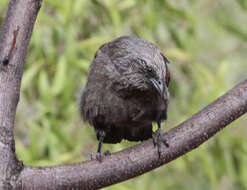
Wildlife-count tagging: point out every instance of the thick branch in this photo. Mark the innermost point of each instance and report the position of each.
(15, 36)
(141, 158)
(119, 166)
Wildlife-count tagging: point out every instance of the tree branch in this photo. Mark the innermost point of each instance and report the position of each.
(15, 36)
(141, 158)
(119, 166)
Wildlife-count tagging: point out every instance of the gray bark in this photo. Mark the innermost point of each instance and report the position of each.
(15, 35)
(120, 166)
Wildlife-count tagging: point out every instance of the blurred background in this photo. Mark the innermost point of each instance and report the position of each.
(206, 43)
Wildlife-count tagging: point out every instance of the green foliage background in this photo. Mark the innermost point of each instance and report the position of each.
(206, 42)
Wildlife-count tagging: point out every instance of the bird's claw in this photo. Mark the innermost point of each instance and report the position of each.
(91, 156)
(165, 142)
(107, 153)
(98, 156)
(157, 140)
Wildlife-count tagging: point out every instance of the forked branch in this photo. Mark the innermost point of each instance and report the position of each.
(115, 168)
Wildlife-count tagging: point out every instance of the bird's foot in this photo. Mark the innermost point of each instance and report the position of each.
(98, 156)
(157, 140)
(107, 153)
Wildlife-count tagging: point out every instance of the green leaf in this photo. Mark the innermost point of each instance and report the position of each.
(59, 80)
(29, 75)
(44, 86)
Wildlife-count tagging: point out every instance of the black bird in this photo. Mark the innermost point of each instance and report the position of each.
(126, 90)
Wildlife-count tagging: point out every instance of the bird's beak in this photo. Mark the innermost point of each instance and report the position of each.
(158, 85)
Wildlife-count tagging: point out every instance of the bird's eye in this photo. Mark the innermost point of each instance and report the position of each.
(150, 70)
(146, 67)
(143, 62)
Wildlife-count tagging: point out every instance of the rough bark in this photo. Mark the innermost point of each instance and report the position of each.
(115, 168)
(141, 158)
(15, 35)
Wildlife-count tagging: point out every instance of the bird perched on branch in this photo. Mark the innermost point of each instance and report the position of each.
(126, 90)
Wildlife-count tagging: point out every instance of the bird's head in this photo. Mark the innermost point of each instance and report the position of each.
(149, 66)
(141, 66)
(155, 73)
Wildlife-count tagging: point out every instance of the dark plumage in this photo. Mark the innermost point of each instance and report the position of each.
(126, 90)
